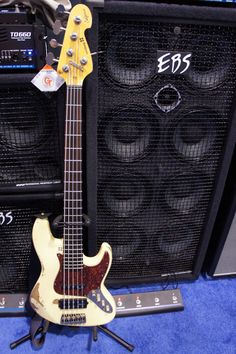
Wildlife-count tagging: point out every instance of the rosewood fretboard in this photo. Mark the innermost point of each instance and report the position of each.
(73, 242)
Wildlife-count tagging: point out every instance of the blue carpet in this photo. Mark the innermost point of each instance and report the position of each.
(206, 326)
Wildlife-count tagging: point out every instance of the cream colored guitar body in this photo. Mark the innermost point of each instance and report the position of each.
(100, 308)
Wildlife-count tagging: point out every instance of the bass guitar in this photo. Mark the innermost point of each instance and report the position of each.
(70, 289)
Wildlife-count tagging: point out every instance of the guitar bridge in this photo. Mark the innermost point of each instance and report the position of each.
(73, 319)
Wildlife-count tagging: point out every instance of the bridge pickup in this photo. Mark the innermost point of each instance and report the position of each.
(72, 287)
(78, 318)
(68, 304)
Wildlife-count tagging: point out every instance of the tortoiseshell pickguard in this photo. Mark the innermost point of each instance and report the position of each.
(90, 277)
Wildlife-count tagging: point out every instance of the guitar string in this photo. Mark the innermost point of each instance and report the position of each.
(73, 197)
(81, 186)
(80, 243)
(71, 133)
(70, 200)
(78, 157)
(65, 197)
(69, 193)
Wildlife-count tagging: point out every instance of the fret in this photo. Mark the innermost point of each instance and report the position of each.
(75, 260)
(73, 171)
(78, 247)
(74, 265)
(73, 208)
(77, 235)
(74, 182)
(74, 268)
(74, 200)
(73, 135)
(73, 148)
(71, 160)
(73, 191)
(74, 120)
(74, 105)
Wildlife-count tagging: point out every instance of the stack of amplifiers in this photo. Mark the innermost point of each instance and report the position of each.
(161, 116)
(30, 157)
(31, 152)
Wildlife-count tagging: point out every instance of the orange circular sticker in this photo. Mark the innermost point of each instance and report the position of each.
(48, 81)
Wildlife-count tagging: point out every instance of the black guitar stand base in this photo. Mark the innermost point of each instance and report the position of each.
(114, 336)
(39, 328)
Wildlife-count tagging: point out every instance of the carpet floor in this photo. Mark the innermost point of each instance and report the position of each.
(206, 326)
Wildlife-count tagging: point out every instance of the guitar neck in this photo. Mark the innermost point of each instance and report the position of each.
(73, 242)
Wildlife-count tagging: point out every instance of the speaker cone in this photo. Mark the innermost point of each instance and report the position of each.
(47, 168)
(209, 69)
(130, 132)
(126, 194)
(125, 248)
(183, 240)
(24, 122)
(130, 54)
(193, 134)
(185, 191)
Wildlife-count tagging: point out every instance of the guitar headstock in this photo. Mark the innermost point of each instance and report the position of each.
(75, 61)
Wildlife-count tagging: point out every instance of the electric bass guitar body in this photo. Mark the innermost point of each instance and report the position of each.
(58, 296)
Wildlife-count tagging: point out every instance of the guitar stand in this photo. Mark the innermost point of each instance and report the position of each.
(39, 328)
(114, 336)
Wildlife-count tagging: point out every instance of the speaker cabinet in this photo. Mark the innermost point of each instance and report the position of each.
(221, 257)
(159, 141)
(30, 143)
(17, 215)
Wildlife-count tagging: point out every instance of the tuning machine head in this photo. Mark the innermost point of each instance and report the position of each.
(54, 43)
(61, 12)
(50, 59)
(58, 27)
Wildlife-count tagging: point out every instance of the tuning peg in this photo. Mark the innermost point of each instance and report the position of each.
(57, 27)
(54, 43)
(61, 12)
(95, 53)
(50, 59)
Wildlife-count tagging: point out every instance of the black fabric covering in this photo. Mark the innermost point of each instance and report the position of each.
(188, 12)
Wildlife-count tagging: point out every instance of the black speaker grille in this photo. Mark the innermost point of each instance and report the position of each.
(3, 34)
(29, 136)
(160, 140)
(16, 222)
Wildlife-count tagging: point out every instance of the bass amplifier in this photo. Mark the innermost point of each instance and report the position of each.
(22, 44)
